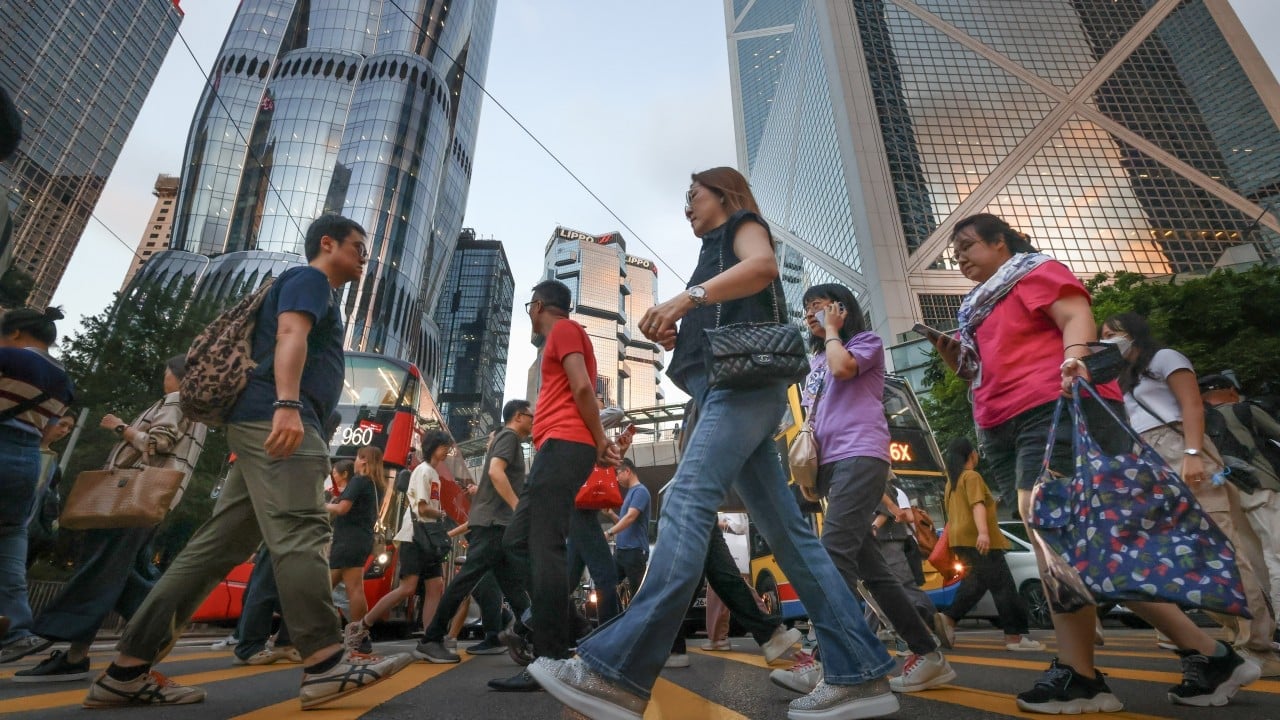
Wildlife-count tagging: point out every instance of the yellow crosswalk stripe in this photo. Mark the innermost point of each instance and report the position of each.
(103, 660)
(1166, 678)
(357, 704)
(67, 698)
(670, 701)
(1001, 704)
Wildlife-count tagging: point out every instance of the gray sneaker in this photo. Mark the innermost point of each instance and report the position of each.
(22, 647)
(846, 702)
(353, 673)
(575, 685)
(435, 652)
(150, 688)
(354, 635)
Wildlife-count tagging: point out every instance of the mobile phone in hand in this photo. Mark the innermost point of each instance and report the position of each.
(933, 334)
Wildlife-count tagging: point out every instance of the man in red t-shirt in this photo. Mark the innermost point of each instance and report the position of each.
(569, 441)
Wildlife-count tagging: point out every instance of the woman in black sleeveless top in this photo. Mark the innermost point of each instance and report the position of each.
(736, 281)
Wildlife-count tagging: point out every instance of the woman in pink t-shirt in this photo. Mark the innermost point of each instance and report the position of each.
(1023, 332)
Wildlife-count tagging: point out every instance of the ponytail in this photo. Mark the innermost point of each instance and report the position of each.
(39, 325)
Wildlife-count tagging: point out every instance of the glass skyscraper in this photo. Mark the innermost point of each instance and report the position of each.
(78, 72)
(611, 292)
(1136, 135)
(358, 107)
(474, 315)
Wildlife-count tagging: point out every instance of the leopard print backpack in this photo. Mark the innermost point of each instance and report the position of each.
(220, 361)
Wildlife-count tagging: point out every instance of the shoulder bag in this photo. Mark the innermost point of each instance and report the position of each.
(802, 456)
(746, 356)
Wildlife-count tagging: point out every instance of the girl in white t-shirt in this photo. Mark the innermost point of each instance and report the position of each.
(1162, 398)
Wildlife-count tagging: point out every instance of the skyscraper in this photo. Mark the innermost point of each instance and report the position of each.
(78, 71)
(363, 108)
(155, 238)
(1136, 135)
(474, 315)
(611, 291)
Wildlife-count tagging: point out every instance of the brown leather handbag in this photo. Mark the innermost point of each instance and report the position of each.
(120, 498)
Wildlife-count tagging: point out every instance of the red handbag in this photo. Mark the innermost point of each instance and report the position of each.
(600, 491)
(943, 560)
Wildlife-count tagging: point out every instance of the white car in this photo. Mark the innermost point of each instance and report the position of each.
(1026, 577)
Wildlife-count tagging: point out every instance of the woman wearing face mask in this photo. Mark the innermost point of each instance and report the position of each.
(1162, 397)
(1023, 330)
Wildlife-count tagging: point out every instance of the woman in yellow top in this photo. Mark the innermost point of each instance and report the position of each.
(974, 536)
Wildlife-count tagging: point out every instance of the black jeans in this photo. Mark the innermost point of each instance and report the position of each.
(631, 565)
(261, 603)
(589, 549)
(989, 572)
(724, 578)
(540, 528)
(854, 488)
(113, 572)
(488, 597)
(485, 555)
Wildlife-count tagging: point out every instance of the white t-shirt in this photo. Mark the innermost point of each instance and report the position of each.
(424, 484)
(1156, 393)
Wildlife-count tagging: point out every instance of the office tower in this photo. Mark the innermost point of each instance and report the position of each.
(1134, 135)
(363, 108)
(611, 292)
(78, 71)
(474, 315)
(155, 238)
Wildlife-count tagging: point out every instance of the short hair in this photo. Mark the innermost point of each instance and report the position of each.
(332, 224)
(38, 325)
(345, 467)
(513, 408)
(629, 464)
(854, 323)
(178, 366)
(432, 441)
(553, 293)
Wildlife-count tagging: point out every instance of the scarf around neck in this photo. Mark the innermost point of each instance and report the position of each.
(978, 304)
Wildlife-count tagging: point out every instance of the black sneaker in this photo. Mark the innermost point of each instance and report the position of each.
(487, 646)
(1212, 681)
(519, 645)
(55, 668)
(1061, 690)
(520, 682)
(435, 652)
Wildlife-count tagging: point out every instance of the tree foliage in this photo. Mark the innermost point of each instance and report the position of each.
(116, 359)
(1224, 320)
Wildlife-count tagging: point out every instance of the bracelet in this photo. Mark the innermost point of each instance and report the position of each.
(1083, 345)
(835, 340)
(291, 404)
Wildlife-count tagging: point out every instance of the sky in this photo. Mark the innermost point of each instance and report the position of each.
(632, 97)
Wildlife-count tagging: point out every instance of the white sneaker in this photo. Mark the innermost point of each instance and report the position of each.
(922, 672)
(802, 677)
(226, 642)
(676, 660)
(354, 635)
(353, 673)
(1025, 644)
(717, 646)
(781, 643)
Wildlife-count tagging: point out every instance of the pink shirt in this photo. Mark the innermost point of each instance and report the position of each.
(1021, 347)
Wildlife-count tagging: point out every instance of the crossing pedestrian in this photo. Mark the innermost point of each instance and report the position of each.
(274, 493)
(735, 281)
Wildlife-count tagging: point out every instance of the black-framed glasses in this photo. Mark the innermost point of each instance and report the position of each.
(362, 250)
(529, 305)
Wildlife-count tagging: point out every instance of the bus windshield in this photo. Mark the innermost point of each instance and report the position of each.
(373, 381)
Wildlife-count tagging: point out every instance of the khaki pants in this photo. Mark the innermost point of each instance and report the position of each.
(278, 501)
(1263, 510)
(1223, 505)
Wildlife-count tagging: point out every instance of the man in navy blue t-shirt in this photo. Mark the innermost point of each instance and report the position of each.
(273, 494)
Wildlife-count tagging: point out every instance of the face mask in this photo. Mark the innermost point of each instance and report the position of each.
(1122, 343)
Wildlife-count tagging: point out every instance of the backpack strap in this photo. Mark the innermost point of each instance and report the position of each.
(25, 405)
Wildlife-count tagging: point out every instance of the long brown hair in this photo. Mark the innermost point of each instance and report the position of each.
(372, 458)
(730, 186)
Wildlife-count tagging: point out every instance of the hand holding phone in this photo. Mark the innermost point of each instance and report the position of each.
(933, 334)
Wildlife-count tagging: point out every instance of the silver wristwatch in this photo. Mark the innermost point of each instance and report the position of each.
(698, 295)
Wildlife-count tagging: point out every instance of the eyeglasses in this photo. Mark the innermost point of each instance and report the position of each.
(525, 414)
(961, 249)
(362, 250)
(529, 305)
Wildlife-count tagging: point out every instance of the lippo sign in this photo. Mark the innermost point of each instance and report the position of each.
(642, 263)
(567, 234)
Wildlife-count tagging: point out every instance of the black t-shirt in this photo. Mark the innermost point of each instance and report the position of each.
(488, 507)
(690, 354)
(359, 520)
(306, 290)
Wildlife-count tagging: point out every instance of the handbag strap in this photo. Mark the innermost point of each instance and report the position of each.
(773, 294)
(1175, 427)
(25, 405)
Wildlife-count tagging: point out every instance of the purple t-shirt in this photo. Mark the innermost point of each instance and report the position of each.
(850, 420)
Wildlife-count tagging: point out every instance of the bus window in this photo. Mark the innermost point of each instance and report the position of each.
(372, 381)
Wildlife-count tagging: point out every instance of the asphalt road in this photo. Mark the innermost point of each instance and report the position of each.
(718, 686)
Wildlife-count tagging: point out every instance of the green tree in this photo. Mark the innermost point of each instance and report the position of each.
(947, 403)
(116, 359)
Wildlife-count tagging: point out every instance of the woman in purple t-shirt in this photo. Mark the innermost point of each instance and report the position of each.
(845, 391)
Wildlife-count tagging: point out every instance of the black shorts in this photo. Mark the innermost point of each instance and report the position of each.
(411, 563)
(349, 553)
(1014, 450)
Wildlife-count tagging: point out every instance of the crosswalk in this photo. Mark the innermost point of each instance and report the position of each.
(717, 686)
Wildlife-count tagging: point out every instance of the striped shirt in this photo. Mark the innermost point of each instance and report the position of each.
(25, 374)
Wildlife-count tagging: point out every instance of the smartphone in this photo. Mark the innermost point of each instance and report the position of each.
(821, 315)
(933, 334)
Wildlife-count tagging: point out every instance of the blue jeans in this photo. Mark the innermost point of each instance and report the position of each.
(732, 445)
(20, 455)
(589, 548)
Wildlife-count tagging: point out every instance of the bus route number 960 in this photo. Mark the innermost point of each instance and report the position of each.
(348, 435)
